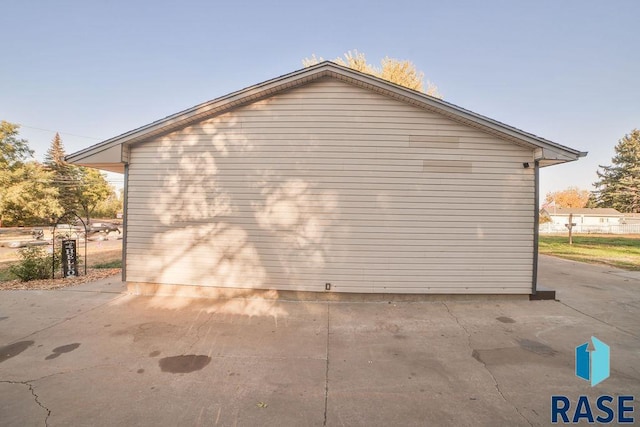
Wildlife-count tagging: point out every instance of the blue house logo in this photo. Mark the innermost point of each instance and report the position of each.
(593, 365)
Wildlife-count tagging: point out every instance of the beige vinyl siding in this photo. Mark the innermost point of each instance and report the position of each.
(332, 183)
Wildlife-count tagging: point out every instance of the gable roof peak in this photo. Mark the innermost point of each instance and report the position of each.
(546, 151)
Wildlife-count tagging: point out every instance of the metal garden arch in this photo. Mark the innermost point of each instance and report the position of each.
(67, 215)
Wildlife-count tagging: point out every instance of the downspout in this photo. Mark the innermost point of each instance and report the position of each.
(124, 222)
(536, 226)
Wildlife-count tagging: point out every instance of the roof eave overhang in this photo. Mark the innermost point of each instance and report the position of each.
(112, 158)
(107, 167)
(549, 156)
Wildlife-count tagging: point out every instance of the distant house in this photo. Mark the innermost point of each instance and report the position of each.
(583, 216)
(329, 180)
(631, 218)
(589, 220)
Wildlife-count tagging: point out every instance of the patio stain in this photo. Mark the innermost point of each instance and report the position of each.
(528, 351)
(11, 350)
(61, 350)
(537, 347)
(183, 364)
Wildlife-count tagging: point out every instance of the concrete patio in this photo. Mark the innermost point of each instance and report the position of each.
(94, 355)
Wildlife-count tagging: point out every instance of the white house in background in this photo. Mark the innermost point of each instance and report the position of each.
(329, 180)
(631, 218)
(590, 220)
(583, 216)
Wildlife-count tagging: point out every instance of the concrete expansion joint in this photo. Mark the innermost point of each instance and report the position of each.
(495, 381)
(326, 374)
(66, 319)
(599, 320)
(35, 396)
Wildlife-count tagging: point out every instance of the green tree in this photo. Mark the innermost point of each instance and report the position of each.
(109, 208)
(401, 72)
(592, 202)
(13, 150)
(25, 193)
(80, 189)
(27, 196)
(65, 177)
(93, 188)
(619, 184)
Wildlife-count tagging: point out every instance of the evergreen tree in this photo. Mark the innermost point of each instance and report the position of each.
(65, 177)
(55, 153)
(619, 183)
(592, 202)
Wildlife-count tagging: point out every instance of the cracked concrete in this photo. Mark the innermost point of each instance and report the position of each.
(474, 354)
(9, 416)
(488, 362)
(37, 399)
(497, 385)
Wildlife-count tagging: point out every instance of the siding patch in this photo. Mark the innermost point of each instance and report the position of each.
(434, 141)
(446, 166)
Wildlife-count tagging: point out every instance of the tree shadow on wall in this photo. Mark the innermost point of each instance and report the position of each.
(223, 217)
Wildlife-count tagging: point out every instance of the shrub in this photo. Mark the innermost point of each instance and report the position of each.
(35, 263)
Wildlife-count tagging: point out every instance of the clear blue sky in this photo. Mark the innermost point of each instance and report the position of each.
(568, 71)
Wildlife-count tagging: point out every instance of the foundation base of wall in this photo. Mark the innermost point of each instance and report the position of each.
(543, 294)
(190, 291)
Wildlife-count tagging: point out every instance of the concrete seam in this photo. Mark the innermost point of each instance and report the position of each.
(599, 320)
(326, 373)
(495, 381)
(69, 318)
(69, 371)
(35, 396)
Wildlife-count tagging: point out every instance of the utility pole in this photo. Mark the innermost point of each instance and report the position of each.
(570, 228)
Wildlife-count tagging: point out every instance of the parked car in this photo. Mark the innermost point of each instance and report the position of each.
(103, 227)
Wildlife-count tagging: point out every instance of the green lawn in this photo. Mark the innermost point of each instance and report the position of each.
(621, 252)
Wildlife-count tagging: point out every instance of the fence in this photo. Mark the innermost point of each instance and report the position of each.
(551, 228)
